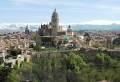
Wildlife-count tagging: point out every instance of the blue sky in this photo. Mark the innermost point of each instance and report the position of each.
(70, 11)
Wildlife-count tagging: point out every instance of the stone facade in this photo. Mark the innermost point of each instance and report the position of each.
(45, 30)
(69, 31)
(52, 28)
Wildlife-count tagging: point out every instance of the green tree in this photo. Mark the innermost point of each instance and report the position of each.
(14, 52)
(70, 67)
(13, 76)
(37, 48)
(74, 62)
(96, 45)
(117, 40)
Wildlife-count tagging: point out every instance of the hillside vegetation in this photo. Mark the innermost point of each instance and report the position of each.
(69, 67)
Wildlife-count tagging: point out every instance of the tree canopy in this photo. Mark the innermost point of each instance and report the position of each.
(70, 67)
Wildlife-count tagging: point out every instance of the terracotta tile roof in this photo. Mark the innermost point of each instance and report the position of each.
(23, 41)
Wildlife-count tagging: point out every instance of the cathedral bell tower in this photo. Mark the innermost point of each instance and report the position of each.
(55, 23)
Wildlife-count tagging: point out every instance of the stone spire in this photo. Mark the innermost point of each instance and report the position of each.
(55, 14)
(26, 30)
(55, 22)
(69, 26)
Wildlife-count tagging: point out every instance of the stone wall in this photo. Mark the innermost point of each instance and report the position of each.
(110, 52)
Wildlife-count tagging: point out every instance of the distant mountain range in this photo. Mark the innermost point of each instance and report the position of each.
(21, 27)
(5, 28)
(96, 27)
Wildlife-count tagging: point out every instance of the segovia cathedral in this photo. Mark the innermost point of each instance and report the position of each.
(52, 32)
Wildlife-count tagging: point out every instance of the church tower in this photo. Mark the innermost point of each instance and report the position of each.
(27, 32)
(55, 23)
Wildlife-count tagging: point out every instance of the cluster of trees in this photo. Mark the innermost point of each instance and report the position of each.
(114, 44)
(37, 48)
(13, 53)
(69, 67)
(4, 73)
(117, 40)
(96, 45)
